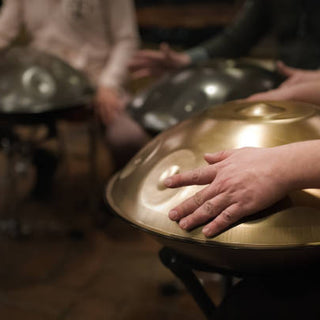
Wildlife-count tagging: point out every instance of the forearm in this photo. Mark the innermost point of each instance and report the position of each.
(10, 22)
(298, 164)
(238, 38)
(124, 42)
(115, 71)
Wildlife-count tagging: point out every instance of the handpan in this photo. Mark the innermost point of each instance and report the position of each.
(34, 83)
(283, 237)
(179, 95)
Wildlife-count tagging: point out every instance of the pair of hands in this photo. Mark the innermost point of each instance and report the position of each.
(108, 104)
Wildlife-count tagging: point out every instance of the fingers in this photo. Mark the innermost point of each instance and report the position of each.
(149, 55)
(285, 70)
(276, 94)
(226, 218)
(200, 176)
(191, 204)
(208, 211)
(290, 82)
(212, 158)
(148, 72)
(142, 73)
(203, 207)
(259, 96)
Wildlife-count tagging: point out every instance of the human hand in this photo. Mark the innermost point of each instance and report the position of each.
(296, 76)
(240, 182)
(108, 103)
(157, 62)
(306, 92)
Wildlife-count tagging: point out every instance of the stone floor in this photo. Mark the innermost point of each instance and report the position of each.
(111, 273)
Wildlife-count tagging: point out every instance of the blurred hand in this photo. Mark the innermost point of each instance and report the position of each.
(240, 182)
(306, 92)
(108, 104)
(296, 76)
(157, 62)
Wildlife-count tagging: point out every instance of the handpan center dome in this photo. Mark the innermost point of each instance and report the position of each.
(261, 110)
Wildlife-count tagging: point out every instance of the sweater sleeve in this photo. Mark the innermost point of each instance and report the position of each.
(10, 21)
(124, 42)
(236, 40)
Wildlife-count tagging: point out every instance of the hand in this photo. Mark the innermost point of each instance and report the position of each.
(240, 182)
(306, 92)
(296, 76)
(108, 104)
(157, 62)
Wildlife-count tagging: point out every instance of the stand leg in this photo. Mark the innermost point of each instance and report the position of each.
(172, 261)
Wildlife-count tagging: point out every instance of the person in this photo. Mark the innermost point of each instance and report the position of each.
(90, 36)
(295, 25)
(87, 34)
(240, 182)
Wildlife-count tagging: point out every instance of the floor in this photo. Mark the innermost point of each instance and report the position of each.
(65, 267)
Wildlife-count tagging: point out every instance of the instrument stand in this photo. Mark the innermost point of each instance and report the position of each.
(15, 148)
(181, 268)
(290, 294)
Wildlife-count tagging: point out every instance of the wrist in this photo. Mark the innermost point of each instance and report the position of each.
(300, 165)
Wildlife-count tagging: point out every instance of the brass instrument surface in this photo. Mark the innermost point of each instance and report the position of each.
(138, 195)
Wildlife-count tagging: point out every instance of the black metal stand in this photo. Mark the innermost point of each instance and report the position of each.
(13, 147)
(184, 272)
(278, 295)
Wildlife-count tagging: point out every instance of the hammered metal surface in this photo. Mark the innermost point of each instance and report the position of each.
(33, 82)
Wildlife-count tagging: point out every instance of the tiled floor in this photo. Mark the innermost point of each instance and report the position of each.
(111, 274)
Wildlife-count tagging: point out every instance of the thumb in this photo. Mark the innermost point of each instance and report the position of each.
(286, 70)
(212, 158)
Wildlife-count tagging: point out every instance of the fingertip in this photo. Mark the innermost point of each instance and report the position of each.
(207, 231)
(183, 224)
(168, 182)
(207, 156)
(173, 215)
(212, 158)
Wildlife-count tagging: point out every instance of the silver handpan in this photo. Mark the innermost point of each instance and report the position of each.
(33, 82)
(181, 94)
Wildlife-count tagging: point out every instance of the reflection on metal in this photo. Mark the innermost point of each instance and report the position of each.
(283, 236)
(35, 82)
(39, 82)
(182, 94)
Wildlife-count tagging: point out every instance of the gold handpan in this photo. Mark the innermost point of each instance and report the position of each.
(285, 236)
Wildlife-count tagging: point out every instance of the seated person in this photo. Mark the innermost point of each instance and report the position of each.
(96, 37)
(294, 23)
